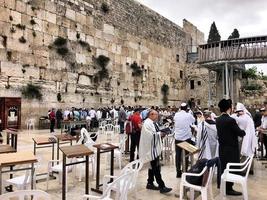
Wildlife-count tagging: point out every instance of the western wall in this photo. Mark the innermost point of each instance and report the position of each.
(57, 45)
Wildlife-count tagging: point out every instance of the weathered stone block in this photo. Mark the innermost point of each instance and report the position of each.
(10, 4)
(84, 80)
(51, 17)
(70, 14)
(80, 18)
(11, 69)
(16, 17)
(109, 29)
(80, 58)
(20, 6)
(50, 6)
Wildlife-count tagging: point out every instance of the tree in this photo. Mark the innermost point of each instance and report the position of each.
(235, 34)
(214, 35)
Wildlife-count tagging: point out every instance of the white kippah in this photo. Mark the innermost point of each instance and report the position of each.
(183, 104)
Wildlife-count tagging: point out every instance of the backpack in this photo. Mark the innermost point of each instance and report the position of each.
(196, 169)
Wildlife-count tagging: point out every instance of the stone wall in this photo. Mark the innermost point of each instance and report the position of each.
(129, 32)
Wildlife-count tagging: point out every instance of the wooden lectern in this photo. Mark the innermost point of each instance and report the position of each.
(188, 150)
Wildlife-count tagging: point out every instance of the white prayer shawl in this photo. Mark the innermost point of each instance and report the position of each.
(150, 146)
(245, 122)
(209, 143)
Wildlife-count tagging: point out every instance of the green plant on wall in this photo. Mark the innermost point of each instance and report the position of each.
(137, 70)
(102, 62)
(31, 91)
(61, 46)
(105, 7)
(165, 92)
(59, 98)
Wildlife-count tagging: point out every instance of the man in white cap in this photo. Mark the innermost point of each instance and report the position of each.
(182, 132)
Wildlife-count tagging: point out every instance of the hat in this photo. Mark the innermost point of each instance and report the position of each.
(224, 104)
(262, 109)
(240, 107)
(183, 105)
(136, 110)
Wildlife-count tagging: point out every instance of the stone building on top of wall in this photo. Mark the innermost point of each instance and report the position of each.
(86, 53)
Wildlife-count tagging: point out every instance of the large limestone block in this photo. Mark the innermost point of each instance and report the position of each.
(52, 29)
(80, 18)
(16, 17)
(11, 69)
(14, 44)
(72, 34)
(51, 17)
(50, 6)
(4, 14)
(80, 58)
(10, 4)
(109, 29)
(90, 40)
(20, 6)
(84, 80)
(70, 14)
(72, 77)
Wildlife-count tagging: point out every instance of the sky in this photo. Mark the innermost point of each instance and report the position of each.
(248, 16)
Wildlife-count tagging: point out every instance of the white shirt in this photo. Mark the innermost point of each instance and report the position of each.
(92, 114)
(182, 123)
(264, 122)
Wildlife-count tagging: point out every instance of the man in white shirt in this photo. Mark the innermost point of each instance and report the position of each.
(182, 132)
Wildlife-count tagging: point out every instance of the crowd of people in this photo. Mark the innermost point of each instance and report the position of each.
(231, 135)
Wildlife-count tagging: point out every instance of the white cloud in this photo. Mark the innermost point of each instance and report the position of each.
(248, 16)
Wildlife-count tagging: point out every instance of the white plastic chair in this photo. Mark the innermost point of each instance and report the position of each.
(168, 147)
(202, 189)
(109, 130)
(21, 182)
(228, 175)
(30, 123)
(88, 142)
(122, 182)
(135, 167)
(22, 194)
(58, 169)
(101, 127)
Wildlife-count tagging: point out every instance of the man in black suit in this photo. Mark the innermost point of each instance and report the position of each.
(228, 132)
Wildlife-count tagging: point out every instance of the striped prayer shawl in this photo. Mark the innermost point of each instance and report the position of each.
(202, 142)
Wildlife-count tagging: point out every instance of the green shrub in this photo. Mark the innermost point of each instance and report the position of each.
(60, 41)
(32, 92)
(62, 51)
(20, 26)
(252, 87)
(137, 71)
(105, 7)
(22, 39)
(59, 97)
(165, 92)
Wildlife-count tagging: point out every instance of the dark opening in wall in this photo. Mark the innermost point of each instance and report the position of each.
(181, 74)
(199, 83)
(177, 57)
(192, 84)
(198, 101)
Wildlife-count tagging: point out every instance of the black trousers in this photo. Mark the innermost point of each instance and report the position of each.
(52, 125)
(228, 154)
(154, 171)
(178, 155)
(135, 138)
(58, 123)
(265, 143)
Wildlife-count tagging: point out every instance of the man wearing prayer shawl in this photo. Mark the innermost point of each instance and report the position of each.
(149, 151)
(207, 138)
(245, 122)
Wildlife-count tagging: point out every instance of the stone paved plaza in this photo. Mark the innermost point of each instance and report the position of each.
(256, 183)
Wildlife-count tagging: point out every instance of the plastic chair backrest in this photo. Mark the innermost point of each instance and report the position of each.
(21, 194)
(85, 138)
(247, 164)
(134, 166)
(123, 183)
(109, 127)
